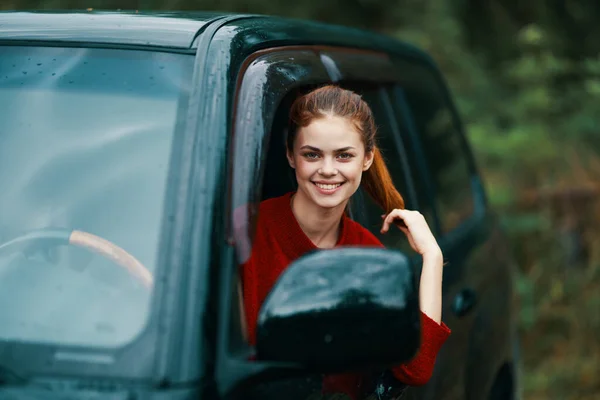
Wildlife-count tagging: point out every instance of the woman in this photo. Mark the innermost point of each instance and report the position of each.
(331, 146)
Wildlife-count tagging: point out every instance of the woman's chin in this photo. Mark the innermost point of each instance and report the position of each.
(329, 201)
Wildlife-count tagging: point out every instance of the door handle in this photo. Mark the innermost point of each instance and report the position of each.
(464, 302)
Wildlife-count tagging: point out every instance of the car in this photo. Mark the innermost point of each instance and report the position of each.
(134, 150)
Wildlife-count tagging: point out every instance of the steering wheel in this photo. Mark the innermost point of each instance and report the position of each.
(96, 244)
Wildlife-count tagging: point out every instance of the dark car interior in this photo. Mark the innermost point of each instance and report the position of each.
(279, 177)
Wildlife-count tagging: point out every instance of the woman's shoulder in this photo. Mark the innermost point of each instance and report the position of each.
(356, 234)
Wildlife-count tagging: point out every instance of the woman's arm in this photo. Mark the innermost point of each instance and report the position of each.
(414, 226)
(434, 332)
(430, 287)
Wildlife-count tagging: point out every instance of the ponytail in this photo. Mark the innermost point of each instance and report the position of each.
(379, 185)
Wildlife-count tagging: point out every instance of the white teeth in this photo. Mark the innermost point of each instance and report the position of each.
(328, 187)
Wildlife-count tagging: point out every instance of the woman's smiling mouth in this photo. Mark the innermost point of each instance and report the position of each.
(327, 188)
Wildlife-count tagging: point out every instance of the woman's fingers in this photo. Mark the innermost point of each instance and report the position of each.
(414, 226)
(387, 220)
(386, 226)
(401, 217)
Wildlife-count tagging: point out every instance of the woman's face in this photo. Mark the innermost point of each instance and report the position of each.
(329, 159)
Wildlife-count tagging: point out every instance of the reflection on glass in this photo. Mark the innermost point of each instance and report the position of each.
(85, 139)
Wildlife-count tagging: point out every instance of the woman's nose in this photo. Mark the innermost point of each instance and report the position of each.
(328, 168)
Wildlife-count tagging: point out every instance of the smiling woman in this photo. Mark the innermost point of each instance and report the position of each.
(85, 139)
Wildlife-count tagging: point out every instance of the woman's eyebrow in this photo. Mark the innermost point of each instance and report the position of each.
(345, 149)
(310, 148)
(317, 149)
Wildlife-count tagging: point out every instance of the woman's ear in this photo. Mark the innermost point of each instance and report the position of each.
(368, 161)
(290, 158)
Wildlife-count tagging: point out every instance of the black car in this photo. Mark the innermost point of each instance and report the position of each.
(128, 140)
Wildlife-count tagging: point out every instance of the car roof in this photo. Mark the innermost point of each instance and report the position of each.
(180, 30)
(174, 30)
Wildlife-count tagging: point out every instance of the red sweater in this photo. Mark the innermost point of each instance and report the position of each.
(279, 240)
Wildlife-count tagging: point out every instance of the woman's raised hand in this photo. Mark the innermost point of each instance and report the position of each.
(414, 226)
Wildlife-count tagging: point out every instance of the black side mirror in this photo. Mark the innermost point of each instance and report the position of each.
(340, 309)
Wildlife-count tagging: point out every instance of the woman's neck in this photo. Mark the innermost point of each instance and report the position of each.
(320, 225)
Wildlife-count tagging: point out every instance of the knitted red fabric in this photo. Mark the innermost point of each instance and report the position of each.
(279, 240)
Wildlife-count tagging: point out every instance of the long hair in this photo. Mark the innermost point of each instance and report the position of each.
(333, 100)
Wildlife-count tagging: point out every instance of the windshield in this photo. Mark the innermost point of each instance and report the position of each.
(85, 140)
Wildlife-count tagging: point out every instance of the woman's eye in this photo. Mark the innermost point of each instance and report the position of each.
(311, 155)
(345, 156)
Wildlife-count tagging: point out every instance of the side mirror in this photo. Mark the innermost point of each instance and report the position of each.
(340, 309)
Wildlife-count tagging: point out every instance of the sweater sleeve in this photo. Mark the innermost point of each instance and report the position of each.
(418, 371)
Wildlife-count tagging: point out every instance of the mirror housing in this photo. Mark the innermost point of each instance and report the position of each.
(343, 308)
